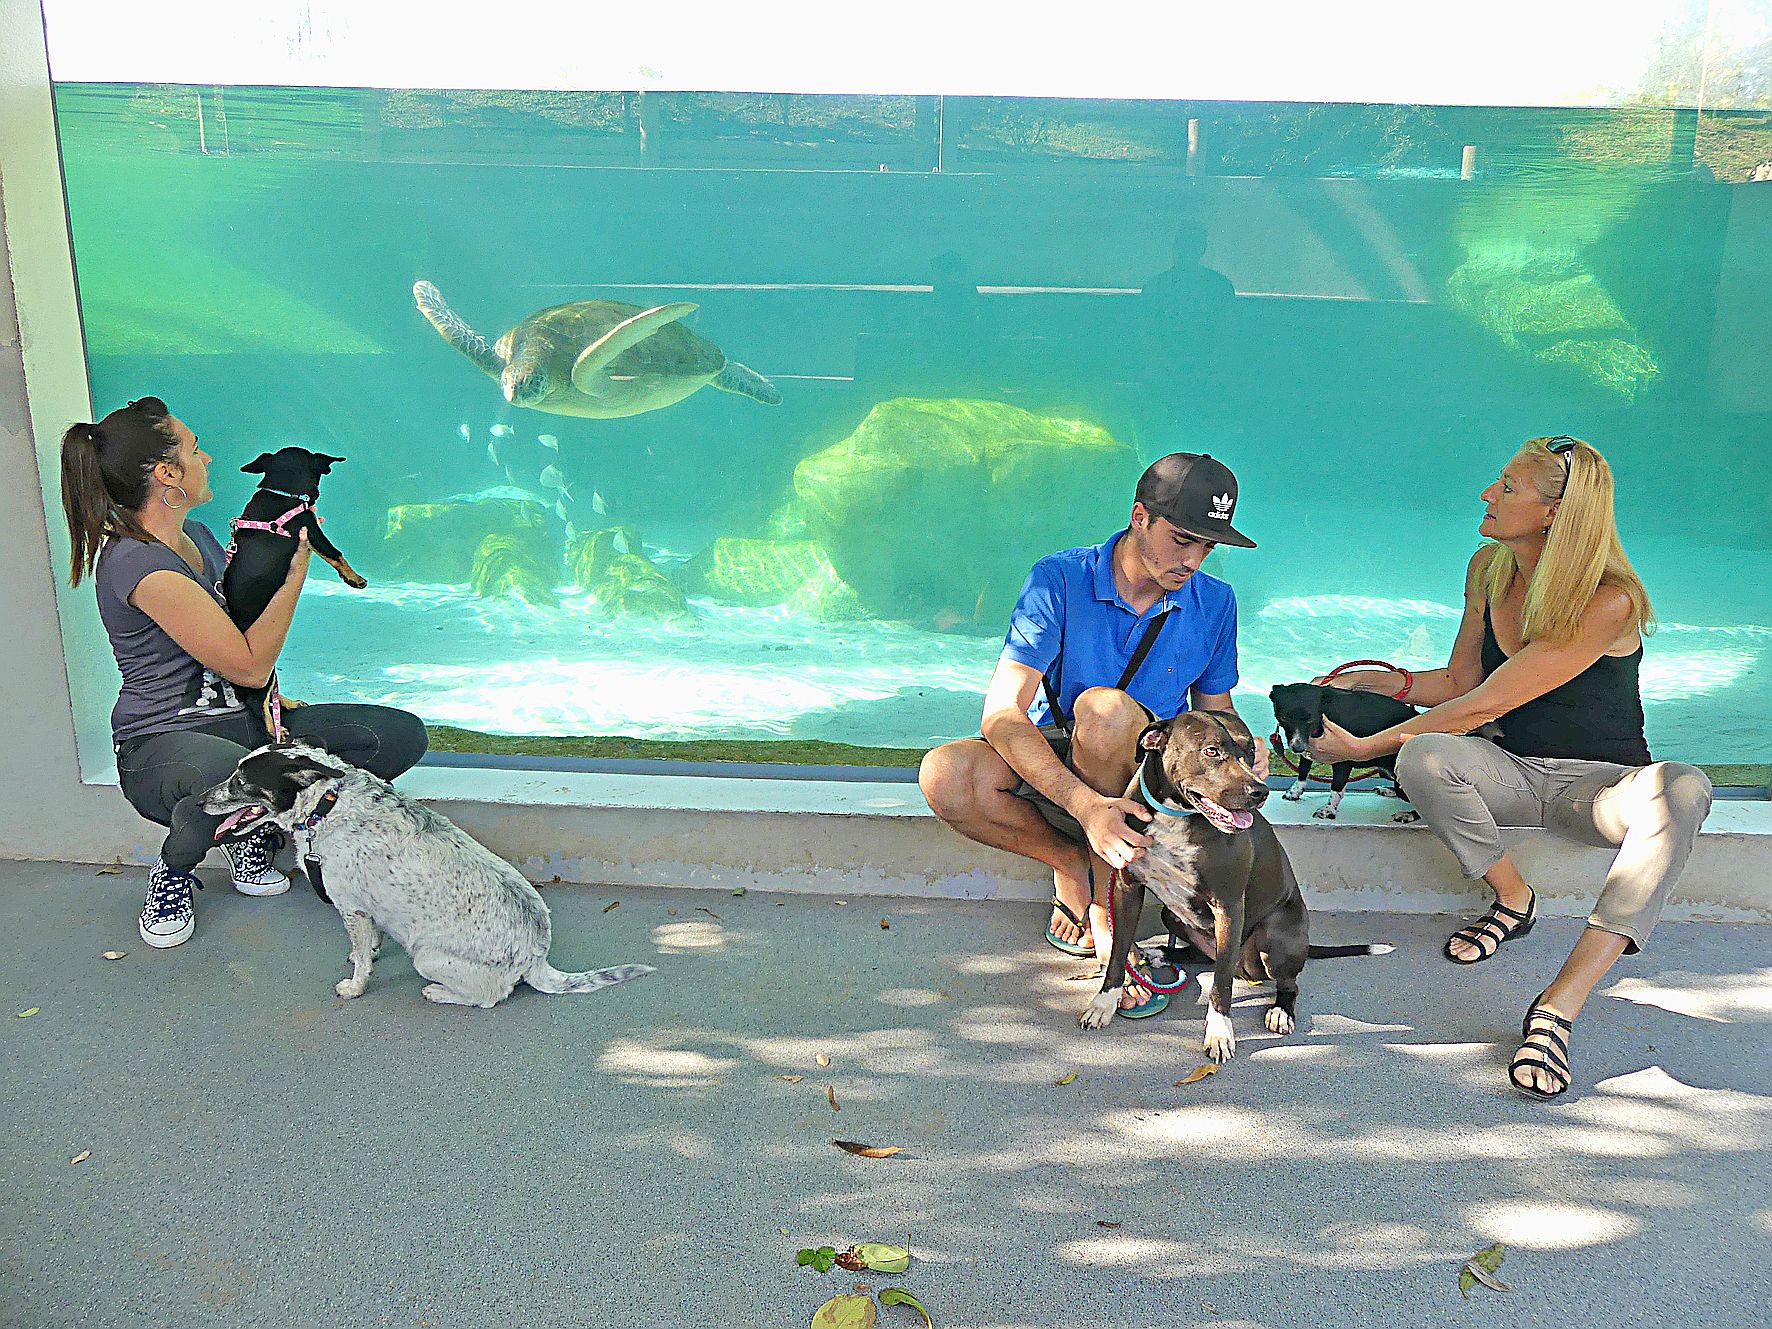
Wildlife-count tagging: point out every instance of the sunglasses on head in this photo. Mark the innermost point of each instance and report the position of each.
(1562, 445)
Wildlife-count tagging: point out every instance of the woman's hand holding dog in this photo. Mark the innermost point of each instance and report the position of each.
(298, 563)
(1336, 744)
(1106, 822)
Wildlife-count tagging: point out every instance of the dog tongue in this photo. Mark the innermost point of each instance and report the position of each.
(1242, 819)
(234, 819)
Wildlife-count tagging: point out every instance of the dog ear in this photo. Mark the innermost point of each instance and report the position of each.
(304, 771)
(1154, 736)
(259, 464)
(326, 463)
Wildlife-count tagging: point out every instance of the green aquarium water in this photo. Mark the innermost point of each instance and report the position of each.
(953, 330)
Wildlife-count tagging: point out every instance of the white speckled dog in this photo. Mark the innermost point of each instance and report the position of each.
(471, 923)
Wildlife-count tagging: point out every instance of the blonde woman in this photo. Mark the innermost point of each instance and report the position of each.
(1552, 637)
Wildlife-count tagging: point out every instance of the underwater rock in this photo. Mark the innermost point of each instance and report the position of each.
(787, 522)
(439, 541)
(934, 510)
(591, 553)
(829, 599)
(506, 565)
(632, 586)
(755, 572)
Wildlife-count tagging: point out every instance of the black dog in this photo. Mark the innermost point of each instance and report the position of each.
(1220, 871)
(1299, 709)
(264, 543)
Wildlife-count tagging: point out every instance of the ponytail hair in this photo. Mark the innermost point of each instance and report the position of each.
(1582, 551)
(105, 470)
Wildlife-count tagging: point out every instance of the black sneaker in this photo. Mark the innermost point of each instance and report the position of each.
(254, 873)
(169, 914)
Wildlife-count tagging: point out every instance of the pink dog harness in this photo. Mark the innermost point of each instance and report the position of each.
(277, 527)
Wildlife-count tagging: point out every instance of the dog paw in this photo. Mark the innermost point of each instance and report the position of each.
(1324, 814)
(1279, 1021)
(1407, 817)
(1293, 795)
(356, 583)
(1101, 1008)
(1221, 1041)
(348, 988)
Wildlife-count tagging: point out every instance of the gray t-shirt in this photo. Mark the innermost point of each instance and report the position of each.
(163, 687)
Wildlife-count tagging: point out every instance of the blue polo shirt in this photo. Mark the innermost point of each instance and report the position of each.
(1072, 625)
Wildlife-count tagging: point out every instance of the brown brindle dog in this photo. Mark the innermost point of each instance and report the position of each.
(1217, 865)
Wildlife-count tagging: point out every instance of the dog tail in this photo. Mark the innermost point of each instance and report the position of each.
(1342, 952)
(543, 977)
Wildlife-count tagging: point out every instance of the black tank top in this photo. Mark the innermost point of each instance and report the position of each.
(1595, 716)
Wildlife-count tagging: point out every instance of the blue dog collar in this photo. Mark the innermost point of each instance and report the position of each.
(1157, 804)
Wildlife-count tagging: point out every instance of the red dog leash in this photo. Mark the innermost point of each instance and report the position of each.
(1408, 684)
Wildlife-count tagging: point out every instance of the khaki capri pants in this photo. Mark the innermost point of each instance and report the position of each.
(1467, 788)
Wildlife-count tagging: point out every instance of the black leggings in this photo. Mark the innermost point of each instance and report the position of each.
(163, 774)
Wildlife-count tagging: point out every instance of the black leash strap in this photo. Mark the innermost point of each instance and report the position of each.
(1063, 721)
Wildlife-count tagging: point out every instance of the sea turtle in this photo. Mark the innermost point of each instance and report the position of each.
(597, 358)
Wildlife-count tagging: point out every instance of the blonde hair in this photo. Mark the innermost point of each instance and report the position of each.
(1581, 549)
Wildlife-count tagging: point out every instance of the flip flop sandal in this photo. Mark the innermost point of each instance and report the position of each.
(1155, 1004)
(1070, 948)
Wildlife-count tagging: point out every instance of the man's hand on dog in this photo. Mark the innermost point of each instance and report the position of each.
(1106, 821)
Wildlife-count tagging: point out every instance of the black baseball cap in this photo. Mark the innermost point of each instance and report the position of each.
(1195, 492)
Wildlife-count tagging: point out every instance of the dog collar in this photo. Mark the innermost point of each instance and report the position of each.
(328, 801)
(284, 493)
(1157, 804)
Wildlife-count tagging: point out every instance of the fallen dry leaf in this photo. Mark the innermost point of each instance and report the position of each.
(1199, 1073)
(112, 871)
(702, 908)
(868, 1151)
(791, 1079)
(830, 1092)
(862, 1289)
(851, 1261)
(554, 880)
(115, 955)
(1066, 1079)
(671, 912)
(1102, 1222)
(81, 1157)
(885, 925)
(613, 904)
(25, 1015)
(1208, 1307)
(1083, 978)
(842, 902)
(822, 1060)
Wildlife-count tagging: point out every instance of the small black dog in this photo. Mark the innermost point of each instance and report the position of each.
(265, 541)
(1299, 708)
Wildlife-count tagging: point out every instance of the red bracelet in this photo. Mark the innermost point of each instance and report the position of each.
(1408, 683)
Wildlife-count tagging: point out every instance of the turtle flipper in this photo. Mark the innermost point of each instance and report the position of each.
(458, 334)
(747, 382)
(590, 370)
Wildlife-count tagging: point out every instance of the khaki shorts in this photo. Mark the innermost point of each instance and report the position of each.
(1056, 817)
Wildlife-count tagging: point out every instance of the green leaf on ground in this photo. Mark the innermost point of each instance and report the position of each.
(1481, 1267)
(820, 1259)
(897, 1296)
(1067, 1079)
(845, 1312)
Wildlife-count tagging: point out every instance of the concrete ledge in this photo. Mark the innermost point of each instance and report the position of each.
(880, 839)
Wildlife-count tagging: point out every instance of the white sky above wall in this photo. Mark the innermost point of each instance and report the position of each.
(1499, 53)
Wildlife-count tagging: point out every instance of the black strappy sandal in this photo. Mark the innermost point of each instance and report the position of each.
(1488, 932)
(1546, 1049)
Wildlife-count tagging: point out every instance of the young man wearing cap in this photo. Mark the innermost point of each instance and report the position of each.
(1113, 636)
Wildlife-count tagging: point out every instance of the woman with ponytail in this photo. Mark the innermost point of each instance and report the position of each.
(1549, 649)
(129, 483)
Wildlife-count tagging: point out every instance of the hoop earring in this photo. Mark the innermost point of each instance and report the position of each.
(187, 498)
